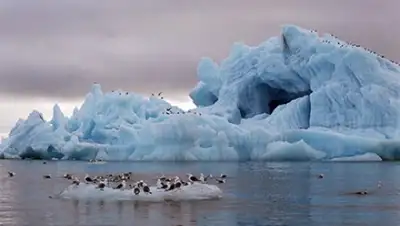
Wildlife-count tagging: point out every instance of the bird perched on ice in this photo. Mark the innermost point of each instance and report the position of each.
(146, 188)
(202, 179)
(88, 179)
(67, 176)
(76, 181)
(136, 190)
(161, 184)
(140, 184)
(102, 184)
(177, 182)
(11, 174)
(192, 178)
(170, 186)
(122, 185)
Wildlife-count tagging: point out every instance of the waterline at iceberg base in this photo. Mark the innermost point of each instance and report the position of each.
(300, 96)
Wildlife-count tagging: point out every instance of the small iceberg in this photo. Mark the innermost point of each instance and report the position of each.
(367, 157)
(196, 191)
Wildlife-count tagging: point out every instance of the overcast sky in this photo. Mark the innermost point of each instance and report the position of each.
(52, 51)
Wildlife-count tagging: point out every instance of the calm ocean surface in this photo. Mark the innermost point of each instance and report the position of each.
(255, 194)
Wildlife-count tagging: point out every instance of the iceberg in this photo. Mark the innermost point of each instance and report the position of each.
(299, 96)
(192, 192)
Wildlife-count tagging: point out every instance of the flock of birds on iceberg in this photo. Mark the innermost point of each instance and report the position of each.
(342, 44)
(124, 181)
(167, 111)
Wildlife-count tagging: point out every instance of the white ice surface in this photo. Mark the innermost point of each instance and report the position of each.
(367, 157)
(194, 191)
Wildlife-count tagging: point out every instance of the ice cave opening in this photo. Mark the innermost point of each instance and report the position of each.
(265, 99)
(281, 97)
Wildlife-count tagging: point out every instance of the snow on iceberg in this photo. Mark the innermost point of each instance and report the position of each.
(298, 96)
(191, 192)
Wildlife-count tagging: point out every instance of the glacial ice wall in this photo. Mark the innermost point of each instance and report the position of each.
(300, 96)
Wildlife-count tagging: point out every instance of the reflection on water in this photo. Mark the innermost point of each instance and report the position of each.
(256, 194)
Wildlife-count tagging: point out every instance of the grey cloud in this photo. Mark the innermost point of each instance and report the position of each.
(58, 48)
(71, 82)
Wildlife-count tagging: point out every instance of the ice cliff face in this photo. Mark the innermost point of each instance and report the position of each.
(336, 86)
(299, 96)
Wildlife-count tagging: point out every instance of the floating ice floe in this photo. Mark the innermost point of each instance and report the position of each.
(196, 191)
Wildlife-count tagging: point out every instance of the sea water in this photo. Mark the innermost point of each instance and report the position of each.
(278, 193)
